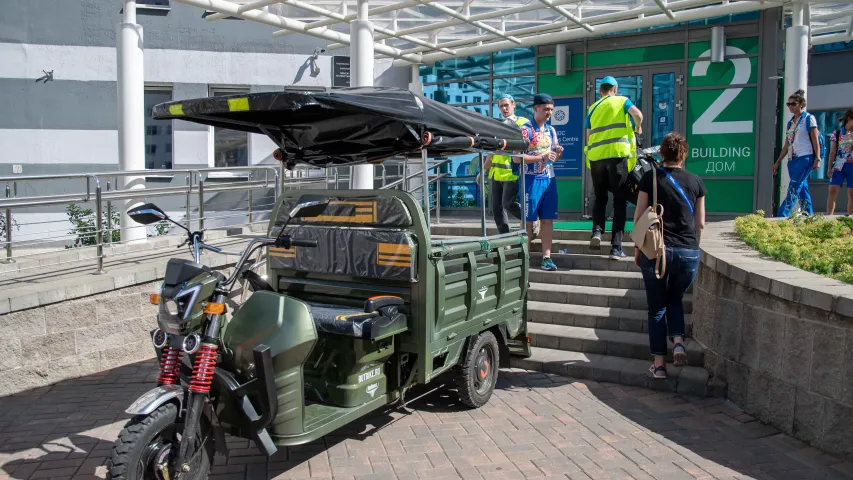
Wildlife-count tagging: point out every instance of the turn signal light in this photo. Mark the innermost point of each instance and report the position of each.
(154, 299)
(215, 308)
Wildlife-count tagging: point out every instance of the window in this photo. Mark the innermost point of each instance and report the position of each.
(475, 91)
(158, 133)
(827, 123)
(230, 147)
(513, 62)
(457, 68)
(518, 87)
(481, 109)
(152, 3)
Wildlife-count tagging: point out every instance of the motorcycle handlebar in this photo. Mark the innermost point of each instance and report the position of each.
(303, 243)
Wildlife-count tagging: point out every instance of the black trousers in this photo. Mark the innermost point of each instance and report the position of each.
(610, 175)
(502, 196)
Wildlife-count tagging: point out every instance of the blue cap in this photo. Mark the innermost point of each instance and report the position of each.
(543, 99)
(608, 80)
(507, 96)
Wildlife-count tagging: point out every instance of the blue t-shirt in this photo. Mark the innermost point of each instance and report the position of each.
(628, 105)
(542, 140)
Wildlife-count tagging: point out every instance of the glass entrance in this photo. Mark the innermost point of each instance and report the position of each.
(657, 92)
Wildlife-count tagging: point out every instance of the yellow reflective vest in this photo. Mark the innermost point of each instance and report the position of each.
(501, 169)
(610, 134)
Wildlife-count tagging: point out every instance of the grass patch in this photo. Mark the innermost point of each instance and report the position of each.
(813, 243)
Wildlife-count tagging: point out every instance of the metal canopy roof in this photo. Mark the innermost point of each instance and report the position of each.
(426, 31)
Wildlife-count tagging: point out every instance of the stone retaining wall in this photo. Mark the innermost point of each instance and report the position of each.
(43, 345)
(779, 337)
(73, 323)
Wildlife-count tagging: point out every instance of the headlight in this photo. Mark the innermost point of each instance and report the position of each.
(172, 308)
(174, 312)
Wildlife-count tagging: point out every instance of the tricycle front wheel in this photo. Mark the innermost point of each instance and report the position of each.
(477, 375)
(144, 448)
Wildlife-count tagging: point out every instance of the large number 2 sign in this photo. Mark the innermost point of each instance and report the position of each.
(706, 123)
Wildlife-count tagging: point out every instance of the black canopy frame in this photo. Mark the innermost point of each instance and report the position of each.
(350, 126)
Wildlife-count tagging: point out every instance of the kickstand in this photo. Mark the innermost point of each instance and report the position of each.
(405, 388)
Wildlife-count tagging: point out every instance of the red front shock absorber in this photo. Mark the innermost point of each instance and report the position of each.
(205, 362)
(170, 366)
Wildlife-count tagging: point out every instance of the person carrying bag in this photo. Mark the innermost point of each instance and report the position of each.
(667, 246)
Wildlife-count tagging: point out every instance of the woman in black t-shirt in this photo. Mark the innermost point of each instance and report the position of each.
(682, 195)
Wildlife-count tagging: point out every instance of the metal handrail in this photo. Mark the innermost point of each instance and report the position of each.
(100, 187)
(268, 177)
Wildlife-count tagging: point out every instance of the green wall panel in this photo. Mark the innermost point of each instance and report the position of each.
(737, 71)
(749, 45)
(728, 196)
(569, 194)
(549, 62)
(722, 145)
(658, 53)
(571, 84)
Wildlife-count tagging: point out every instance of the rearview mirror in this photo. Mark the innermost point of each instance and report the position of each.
(310, 206)
(147, 214)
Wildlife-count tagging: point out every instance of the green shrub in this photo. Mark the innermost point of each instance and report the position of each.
(84, 227)
(812, 243)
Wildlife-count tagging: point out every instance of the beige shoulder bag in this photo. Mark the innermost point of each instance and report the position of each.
(648, 231)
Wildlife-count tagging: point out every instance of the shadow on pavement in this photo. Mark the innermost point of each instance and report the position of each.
(668, 435)
(534, 425)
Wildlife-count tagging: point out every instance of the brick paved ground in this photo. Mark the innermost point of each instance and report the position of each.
(536, 425)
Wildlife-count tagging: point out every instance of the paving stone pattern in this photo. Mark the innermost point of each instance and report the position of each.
(536, 425)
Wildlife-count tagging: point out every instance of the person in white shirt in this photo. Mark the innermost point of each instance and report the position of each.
(801, 138)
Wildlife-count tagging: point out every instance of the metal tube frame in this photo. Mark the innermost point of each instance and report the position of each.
(9, 258)
(99, 227)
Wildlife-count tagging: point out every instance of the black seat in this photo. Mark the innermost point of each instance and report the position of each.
(379, 318)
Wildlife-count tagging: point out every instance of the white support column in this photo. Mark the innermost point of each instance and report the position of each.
(413, 167)
(131, 113)
(361, 75)
(796, 76)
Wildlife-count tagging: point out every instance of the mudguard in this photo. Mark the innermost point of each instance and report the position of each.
(154, 398)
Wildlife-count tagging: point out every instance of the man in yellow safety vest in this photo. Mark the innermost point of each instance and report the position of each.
(503, 175)
(611, 152)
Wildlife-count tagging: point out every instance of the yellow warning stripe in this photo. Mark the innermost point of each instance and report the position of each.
(385, 263)
(394, 258)
(365, 212)
(394, 248)
(238, 104)
(176, 109)
(283, 252)
(362, 218)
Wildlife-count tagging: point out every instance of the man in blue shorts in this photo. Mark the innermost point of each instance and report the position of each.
(540, 202)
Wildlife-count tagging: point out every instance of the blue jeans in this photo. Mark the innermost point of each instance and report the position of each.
(664, 296)
(798, 190)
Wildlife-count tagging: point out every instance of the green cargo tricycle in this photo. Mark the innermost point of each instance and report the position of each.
(358, 303)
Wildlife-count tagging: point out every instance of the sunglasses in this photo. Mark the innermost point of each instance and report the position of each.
(792, 104)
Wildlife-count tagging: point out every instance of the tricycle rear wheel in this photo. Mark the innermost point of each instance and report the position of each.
(477, 375)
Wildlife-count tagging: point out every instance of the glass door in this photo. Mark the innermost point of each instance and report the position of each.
(657, 92)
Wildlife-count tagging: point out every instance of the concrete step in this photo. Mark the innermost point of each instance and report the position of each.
(606, 368)
(584, 261)
(474, 230)
(595, 296)
(589, 278)
(604, 342)
(582, 247)
(621, 319)
(571, 246)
